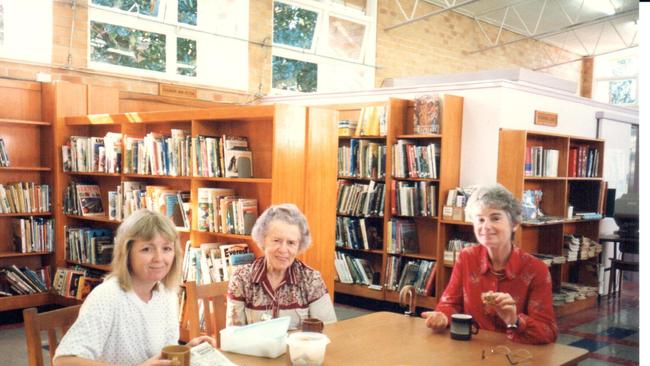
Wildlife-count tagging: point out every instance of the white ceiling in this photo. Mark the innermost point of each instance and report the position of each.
(583, 27)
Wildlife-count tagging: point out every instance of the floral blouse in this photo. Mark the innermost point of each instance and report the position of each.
(526, 279)
(301, 294)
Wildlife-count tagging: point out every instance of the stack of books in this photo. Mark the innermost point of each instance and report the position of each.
(571, 248)
(24, 281)
(347, 127)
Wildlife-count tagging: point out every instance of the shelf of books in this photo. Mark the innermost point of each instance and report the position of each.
(559, 179)
(395, 156)
(26, 222)
(211, 171)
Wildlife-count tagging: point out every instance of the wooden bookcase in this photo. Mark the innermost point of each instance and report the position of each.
(27, 138)
(399, 120)
(294, 154)
(583, 193)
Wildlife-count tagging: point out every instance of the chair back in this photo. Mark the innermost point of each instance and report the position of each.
(49, 321)
(211, 301)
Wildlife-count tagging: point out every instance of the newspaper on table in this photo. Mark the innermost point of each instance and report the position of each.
(206, 355)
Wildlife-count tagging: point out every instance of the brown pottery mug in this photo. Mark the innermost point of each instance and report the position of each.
(312, 325)
(179, 354)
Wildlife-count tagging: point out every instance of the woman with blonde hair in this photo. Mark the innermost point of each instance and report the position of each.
(133, 314)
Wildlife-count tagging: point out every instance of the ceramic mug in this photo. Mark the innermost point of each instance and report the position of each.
(462, 327)
(312, 325)
(179, 354)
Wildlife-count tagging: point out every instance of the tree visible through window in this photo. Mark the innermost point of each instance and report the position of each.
(294, 75)
(293, 26)
(144, 7)
(187, 11)
(622, 92)
(118, 45)
(186, 57)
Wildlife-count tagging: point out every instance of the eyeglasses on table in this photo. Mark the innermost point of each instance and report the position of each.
(514, 357)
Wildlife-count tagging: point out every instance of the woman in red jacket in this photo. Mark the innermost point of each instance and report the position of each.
(504, 288)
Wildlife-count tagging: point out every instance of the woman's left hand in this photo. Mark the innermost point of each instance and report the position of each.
(506, 307)
(200, 339)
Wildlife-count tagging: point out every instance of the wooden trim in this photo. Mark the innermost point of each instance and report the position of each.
(17, 254)
(212, 114)
(23, 122)
(26, 168)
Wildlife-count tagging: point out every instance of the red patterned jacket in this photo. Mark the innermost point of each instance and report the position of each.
(526, 279)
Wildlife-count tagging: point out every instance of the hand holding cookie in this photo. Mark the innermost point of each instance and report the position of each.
(503, 303)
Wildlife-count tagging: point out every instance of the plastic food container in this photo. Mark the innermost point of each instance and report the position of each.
(307, 348)
(263, 339)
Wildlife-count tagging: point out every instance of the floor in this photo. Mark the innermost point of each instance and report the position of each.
(610, 332)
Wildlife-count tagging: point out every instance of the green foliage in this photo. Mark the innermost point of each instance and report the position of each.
(186, 55)
(145, 7)
(117, 45)
(187, 11)
(293, 26)
(620, 92)
(294, 75)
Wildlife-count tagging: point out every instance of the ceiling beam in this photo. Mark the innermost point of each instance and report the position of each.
(568, 28)
(580, 59)
(427, 15)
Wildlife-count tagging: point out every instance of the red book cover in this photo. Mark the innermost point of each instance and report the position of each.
(430, 285)
(573, 161)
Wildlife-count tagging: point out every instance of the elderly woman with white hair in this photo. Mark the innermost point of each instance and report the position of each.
(504, 288)
(277, 284)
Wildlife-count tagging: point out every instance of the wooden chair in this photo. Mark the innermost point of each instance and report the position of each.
(49, 321)
(213, 299)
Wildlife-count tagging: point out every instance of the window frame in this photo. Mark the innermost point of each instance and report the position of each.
(230, 31)
(320, 54)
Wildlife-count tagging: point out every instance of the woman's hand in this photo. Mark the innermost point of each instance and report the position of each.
(200, 339)
(435, 320)
(157, 360)
(505, 306)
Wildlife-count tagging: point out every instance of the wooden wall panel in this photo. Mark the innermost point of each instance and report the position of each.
(320, 191)
(289, 155)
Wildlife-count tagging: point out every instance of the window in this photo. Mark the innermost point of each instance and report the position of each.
(26, 30)
(128, 47)
(323, 45)
(190, 40)
(616, 79)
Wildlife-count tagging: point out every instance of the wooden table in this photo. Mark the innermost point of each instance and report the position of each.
(385, 338)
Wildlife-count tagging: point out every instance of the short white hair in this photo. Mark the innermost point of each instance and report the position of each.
(287, 213)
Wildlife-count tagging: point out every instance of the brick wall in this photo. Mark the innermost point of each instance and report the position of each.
(440, 45)
(437, 45)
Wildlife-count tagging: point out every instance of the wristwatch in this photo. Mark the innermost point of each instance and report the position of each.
(514, 326)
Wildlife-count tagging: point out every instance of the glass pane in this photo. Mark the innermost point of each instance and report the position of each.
(294, 75)
(293, 26)
(117, 45)
(622, 92)
(187, 10)
(186, 57)
(144, 7)
(2, 24)
(346, 38)
(359, 5)
(624, 67)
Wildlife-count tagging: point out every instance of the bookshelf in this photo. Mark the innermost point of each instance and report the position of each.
(399, 127)
(293, 150)
(569, 187)
(27, 138)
